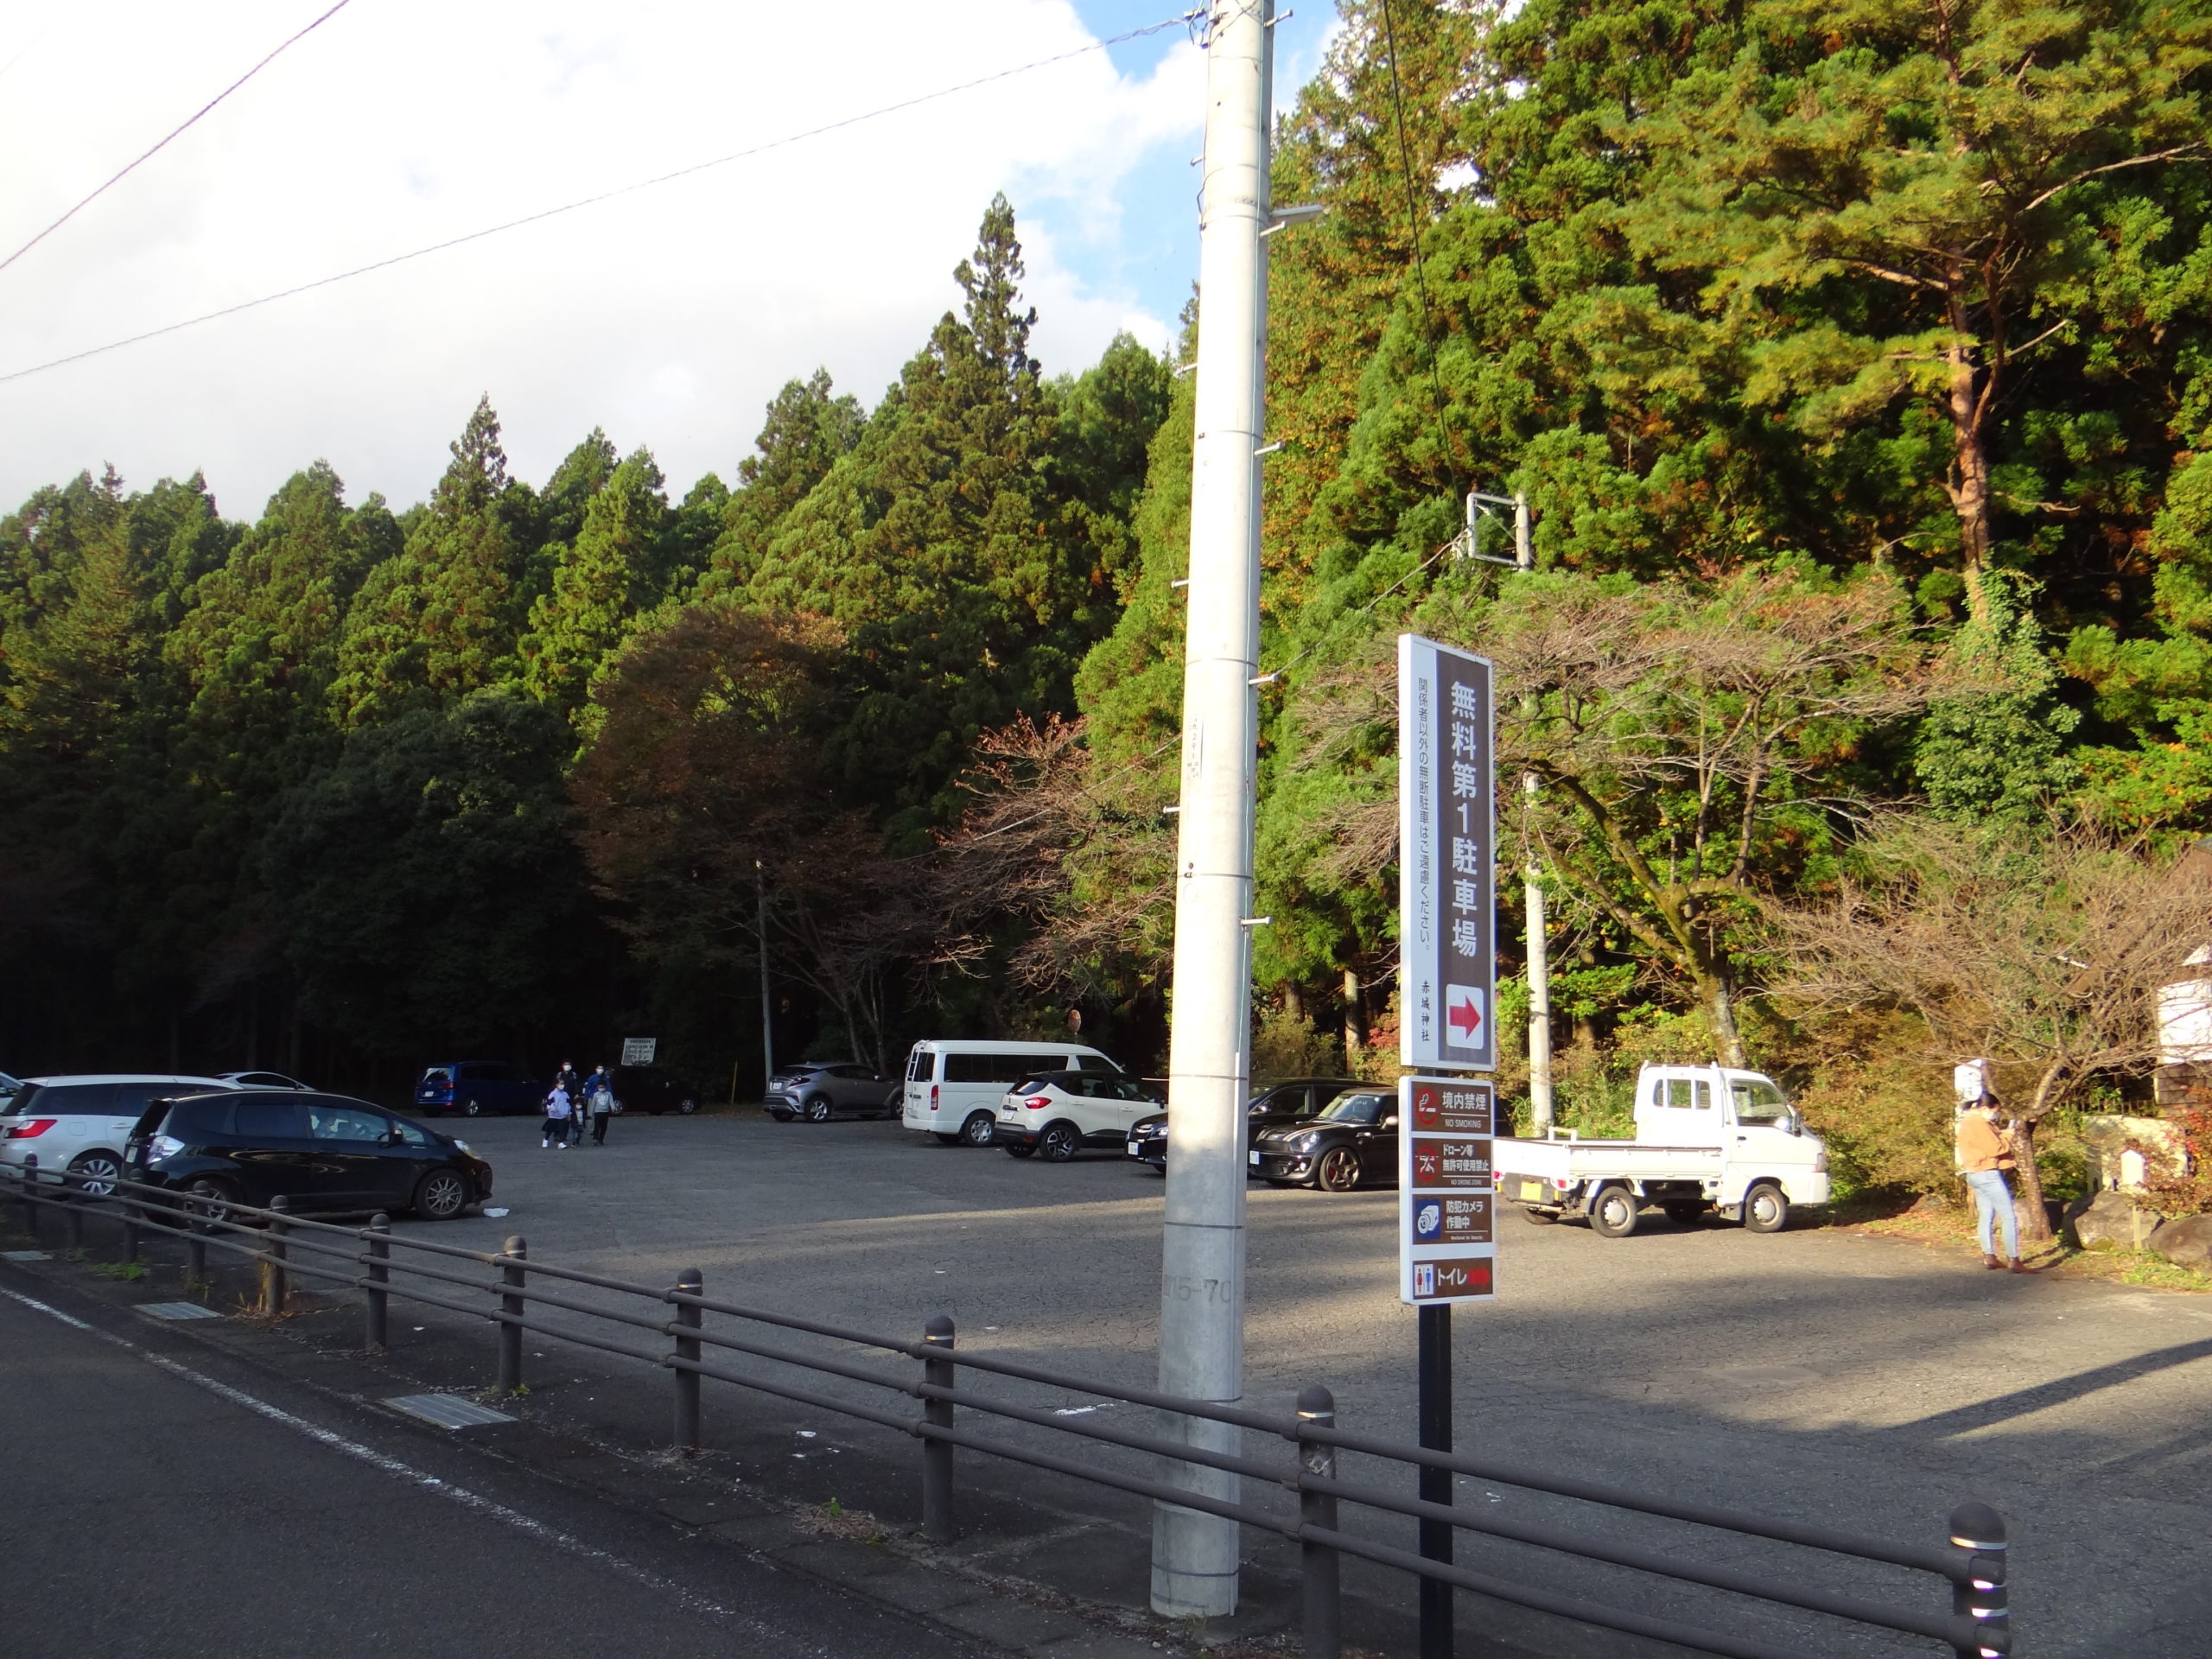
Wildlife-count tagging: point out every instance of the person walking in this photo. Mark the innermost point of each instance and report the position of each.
(571, 1084)
(1984, 1157)
(598, 1095)
(558, 1112)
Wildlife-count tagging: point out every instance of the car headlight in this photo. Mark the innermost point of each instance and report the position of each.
(1305, 1142)
(461, 1145)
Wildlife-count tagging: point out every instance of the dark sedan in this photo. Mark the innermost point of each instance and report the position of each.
(1354, 1139)
(654, 1090)
(821, 1089)
(317, 1152)
(1292, 1101)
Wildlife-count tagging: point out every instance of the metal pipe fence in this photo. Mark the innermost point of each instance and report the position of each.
(380, 1264)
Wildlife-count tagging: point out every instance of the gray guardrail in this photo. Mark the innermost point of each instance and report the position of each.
(1970, 1563)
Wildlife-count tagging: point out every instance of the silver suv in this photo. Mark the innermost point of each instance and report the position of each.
(821, 1089)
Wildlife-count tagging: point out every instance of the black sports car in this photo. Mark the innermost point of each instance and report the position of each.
(1290, 1102)
(1354, 1138)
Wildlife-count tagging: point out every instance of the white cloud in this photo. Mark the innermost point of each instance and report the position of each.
(669, 317)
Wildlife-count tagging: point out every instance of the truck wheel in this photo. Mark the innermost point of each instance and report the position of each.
(1765, 1210)
(1613, 1215)
(978, 1129)
(1685, 1212)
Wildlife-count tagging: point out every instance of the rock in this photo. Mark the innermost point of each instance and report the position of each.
(2109, 1222)
(2186, 1242)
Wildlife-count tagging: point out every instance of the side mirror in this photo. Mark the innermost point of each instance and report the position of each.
(1389, 1123)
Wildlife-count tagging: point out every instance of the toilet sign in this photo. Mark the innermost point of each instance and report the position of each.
(1447, 913)
(1446, 1191)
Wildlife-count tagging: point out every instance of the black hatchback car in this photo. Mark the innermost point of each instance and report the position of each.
(655, 1089)
(1354, 1138)
(1292, 1101)
(318, 1152)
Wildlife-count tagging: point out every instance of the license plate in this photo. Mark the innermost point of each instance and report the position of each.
(1135, 1151)
(1533, 1192)
(1253, 1157)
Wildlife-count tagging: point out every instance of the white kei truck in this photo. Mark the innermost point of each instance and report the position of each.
(1707, 1137)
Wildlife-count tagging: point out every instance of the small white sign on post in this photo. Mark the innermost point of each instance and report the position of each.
(1447, 1202)
(640, 1051)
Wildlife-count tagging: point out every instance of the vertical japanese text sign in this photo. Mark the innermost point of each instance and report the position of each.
(1446, 911)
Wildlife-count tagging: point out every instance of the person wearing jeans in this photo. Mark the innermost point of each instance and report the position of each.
(1984, 1158)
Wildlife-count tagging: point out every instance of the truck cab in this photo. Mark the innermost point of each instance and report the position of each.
(1708, 1138)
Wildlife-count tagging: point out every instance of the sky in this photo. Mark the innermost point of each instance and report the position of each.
(669, 317)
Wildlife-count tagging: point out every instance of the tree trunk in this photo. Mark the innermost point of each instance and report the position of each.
(1293, 1001)
(1968, 488)
(1354, 1021)
(1721, 1012)
(2027, 1186)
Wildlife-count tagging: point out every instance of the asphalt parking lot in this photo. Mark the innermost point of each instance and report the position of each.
(1863, 1381)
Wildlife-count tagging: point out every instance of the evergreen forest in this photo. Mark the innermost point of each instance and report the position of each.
(1855, 363)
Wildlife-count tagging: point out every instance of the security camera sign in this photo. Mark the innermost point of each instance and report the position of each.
(1447, 846)
(1446, 1190)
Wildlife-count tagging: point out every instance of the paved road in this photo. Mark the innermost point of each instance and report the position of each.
(1863, 1381)
(176, 1506)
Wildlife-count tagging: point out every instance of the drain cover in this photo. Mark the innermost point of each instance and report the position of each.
(26, 1256)
(178, 1311)
(448, 1410)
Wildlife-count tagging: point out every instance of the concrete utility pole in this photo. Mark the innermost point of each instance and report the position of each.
(1540, 969)
(767, 1007)
(1194, 1556)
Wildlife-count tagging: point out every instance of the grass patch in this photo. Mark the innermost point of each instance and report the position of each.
(1943, 1227)
(120, 1269)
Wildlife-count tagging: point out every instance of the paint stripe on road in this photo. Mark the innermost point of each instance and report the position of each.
(690, 1600)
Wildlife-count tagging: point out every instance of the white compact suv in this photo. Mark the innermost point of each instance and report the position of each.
(1058, 1115)
(954, 1085)
(79, 1124)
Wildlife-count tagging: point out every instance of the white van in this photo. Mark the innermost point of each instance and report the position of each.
(954, 1085)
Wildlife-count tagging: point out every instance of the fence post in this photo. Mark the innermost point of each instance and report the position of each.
(24, 1183)
(1318, 1563)
(1985, 1598)
(375, 1329)
(517, 1251)
(936, 1454)
(691, 1282)
(274, 1287)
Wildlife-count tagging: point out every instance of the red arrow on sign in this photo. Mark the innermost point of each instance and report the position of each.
(1463, 1012)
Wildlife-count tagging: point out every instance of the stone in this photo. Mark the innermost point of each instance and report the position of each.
(2186, 1242)
(2109, 1222)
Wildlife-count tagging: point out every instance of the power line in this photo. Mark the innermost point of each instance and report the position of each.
(604, 196)
(164, 143)
(1413, 229)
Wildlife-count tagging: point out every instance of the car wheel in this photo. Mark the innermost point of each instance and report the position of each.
(472, 1108)
(1614, 1214)
(1684, 1212)
(93, 1174)
(781, 1117)
(1338, 1170)
(1015, 1149)
(977, 1130)
(440, 1196)
(818, 1109)
(1765, 1210)
(1059, 1142)
(209, 1200)
(686, 1106)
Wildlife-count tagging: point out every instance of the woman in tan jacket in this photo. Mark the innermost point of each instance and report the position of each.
(1985, 1157)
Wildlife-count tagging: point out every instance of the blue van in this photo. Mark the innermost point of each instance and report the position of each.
(477, 1089)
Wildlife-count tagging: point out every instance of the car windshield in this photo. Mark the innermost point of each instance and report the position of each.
(1353, 1109)
(1758, 1101)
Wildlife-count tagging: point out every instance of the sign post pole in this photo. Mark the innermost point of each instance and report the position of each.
(1447, 997)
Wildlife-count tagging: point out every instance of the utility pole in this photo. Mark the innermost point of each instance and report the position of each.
(767, 1009)
(1540, 968)
(1194, 1556)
